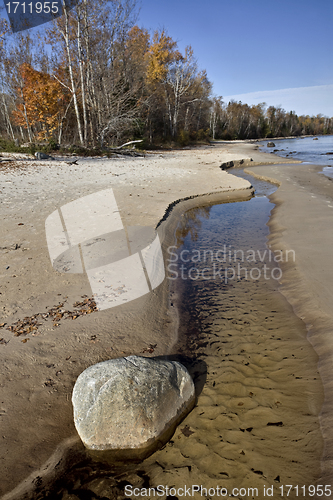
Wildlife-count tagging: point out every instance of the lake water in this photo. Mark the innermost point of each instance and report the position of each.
(307, 149)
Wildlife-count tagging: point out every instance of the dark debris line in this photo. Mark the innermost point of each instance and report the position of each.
(30, 324)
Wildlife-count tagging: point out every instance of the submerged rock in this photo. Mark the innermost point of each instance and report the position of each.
(270, 145)
(131, 405)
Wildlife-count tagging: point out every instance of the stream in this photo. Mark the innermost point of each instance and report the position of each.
(255, 424)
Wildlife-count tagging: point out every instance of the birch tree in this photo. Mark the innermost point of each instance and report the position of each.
(178, 81)
(64, 25)
(20, 52)
(4, 31)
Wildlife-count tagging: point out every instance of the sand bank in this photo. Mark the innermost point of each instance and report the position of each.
(38, 369)
(302, 221)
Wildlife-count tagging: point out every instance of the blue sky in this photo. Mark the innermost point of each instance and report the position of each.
(256, 46)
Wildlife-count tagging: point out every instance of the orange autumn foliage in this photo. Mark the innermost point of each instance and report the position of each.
(4, 29)
(44, 99)
(137, 46)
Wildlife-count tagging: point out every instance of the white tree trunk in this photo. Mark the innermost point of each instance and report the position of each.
(71, 76)
(26, 118)
(83, 91)
(9, 125)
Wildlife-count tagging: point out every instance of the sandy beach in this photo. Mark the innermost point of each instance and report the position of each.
(40, 366)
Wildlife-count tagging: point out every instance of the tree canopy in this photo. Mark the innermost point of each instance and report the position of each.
(93, 77)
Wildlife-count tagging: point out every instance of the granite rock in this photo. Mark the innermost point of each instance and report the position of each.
(131, 404)
(43, 156)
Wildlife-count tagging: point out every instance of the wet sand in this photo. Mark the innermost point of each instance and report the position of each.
(302, 220)
(259, 394)
(41, 372)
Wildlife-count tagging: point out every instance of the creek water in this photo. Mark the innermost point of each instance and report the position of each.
(255, 424)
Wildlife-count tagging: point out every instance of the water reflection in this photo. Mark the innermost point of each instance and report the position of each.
(191, 223)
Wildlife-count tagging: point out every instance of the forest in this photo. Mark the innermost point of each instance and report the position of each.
(95, 79)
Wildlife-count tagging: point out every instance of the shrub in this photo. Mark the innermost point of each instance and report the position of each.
(8, 146)
(183, 138)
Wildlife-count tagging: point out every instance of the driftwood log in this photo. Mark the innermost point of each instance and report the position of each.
(128, 143)
(127, 152)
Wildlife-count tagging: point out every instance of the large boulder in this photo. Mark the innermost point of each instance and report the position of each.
(270, 145)
(130, 406)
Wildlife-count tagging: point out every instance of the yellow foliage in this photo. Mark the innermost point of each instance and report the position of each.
(161, 54)
(4, 30)
(43, 97)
